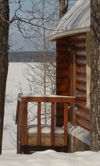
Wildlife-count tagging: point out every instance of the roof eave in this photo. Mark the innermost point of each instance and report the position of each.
(67, 33)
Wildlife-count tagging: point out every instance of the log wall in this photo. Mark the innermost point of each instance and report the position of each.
(62, 77)
(64, 48)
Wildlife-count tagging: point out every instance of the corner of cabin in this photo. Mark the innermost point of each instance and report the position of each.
(73, 79)
(78, 139)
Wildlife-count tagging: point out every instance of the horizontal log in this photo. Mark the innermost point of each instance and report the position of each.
(82, 104)
(64, 41)
(82, 113)
(64, 93)
(78, 37)
(81, 95)
(66, 58)
(79, 44)
(62, 48)
(81, 60)
(83, 123)
(62, 65)
(60, 112)
(81, 52)
(62, 73)
(62, 87)
(81, 78)
(59, 121)
(62, 81)
(81, 69)
(62, 54)
(81, 86)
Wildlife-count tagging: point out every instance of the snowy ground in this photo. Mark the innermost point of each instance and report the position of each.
(15, 77)
(45, 158)
(50, 158)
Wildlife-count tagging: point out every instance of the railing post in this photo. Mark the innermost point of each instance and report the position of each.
(39, 125)
(24, 123)
(65, 123)
(18, 128)
(52, 124)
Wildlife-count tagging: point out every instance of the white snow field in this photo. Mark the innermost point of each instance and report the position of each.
(15, 75)
(50, 158)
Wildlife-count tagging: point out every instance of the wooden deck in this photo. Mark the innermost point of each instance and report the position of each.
(27, 142)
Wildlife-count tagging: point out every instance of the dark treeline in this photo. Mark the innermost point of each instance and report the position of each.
(31, 56)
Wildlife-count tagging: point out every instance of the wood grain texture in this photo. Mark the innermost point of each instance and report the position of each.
(81, 52)
(65, 123)
(81, 69)
(39, 125)
(46, 140)
(64, 41)
(81, 78)
(81, 87)
(83, 123)
(78, 37)
(82, 113)
(81, 95)
(62, 48)
(52, 124)
(81, 60)
(24, 123)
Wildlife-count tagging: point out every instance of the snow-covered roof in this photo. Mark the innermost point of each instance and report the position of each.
(76, 20)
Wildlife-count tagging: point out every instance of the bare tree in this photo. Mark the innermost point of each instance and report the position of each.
(95, 77)
(42, 74)
(4, 32)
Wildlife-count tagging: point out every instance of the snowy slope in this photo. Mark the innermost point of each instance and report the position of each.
(76, 20)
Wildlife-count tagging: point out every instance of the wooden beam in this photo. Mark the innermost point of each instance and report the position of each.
(65, 123)
(18, 131)
(39, 125)
(52, 124)
(24, 123)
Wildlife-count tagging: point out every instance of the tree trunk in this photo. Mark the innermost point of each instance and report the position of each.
(4, 30)
(61, 7)
(95, 76)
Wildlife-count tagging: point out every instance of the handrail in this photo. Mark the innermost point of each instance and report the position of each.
(21, 116)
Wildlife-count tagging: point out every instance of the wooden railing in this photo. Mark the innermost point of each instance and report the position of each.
(21, 116)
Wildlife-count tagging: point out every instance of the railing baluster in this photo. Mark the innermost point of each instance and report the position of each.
(52, 124)
(65, 123)
(39, 125)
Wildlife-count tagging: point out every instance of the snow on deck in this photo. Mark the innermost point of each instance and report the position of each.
(50, 158)
(76, 20)
(45, 129)
(79, 133)
(76, 131)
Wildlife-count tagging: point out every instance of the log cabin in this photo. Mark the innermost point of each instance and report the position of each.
(72, 36)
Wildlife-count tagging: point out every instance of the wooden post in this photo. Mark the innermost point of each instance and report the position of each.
(52, 124)
(65, 123)
(18, 129)
(24, 123)
(39, 125)
(72, 84)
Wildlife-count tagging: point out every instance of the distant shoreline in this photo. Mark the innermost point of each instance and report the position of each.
(31, 56)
